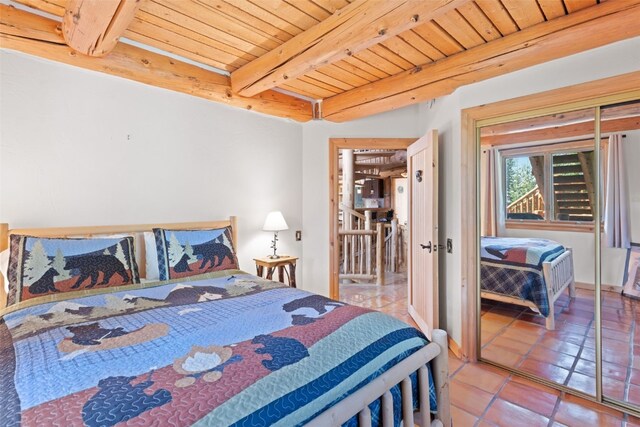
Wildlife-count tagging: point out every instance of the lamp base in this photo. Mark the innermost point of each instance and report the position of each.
(273, 256)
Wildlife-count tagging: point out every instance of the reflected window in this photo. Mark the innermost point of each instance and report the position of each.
(553, 182)
(524, 187)
(573, 187)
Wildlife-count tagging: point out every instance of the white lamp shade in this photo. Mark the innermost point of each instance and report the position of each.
(275, 222)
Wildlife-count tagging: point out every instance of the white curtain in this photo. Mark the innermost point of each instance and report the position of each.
(488, 225)
(616, 209)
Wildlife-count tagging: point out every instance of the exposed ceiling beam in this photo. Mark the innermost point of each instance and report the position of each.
(39, 36)
(586, 29)
(396, 172)
(350, 30)
(369, 156)
(93, 27)
(359, 175)
(558, 132)
(559, 119)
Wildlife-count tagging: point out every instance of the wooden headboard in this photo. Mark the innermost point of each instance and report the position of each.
(89, 231)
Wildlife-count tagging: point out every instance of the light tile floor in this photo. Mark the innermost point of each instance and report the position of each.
(482, 395)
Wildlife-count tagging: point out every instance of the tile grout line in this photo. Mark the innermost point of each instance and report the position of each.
(494, 398)
(552, 417)
(577, 356)
(627, 381)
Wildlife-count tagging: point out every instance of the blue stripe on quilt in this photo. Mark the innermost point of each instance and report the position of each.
(323, 357)
(345, 377)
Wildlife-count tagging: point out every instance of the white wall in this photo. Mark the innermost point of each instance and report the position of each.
(444, 115)
(400, 199)
(84, 148)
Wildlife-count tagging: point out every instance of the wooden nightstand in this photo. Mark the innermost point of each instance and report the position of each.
(280, 263)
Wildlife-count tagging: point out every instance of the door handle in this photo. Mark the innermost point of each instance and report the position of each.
(428, 246)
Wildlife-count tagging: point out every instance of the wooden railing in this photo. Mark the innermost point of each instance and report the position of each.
(352, 219)
(367, 250)
(359, 250)
(394, 247)
(532, 202)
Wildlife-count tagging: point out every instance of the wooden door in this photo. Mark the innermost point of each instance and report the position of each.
(422, 163)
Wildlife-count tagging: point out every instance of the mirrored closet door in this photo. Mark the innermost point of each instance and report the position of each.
(538, 187)
(620, 253)
(559, 244)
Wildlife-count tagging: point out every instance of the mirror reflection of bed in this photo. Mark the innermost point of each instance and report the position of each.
(538, 202)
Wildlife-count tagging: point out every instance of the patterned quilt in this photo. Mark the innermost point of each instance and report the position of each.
(513, 267)
(226, 348)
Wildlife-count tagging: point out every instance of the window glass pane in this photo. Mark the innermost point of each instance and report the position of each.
(524, 179)
(573, 186)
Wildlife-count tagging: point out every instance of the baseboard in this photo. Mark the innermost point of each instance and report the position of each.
(455, 348)
(605, 287)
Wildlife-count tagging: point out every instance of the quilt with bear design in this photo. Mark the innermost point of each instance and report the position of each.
(226, 348)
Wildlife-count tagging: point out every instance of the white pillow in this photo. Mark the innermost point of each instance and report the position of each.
(151, 255)
(4, 268)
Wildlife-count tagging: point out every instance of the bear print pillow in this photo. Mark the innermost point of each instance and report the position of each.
(45, 266)
(183, 253)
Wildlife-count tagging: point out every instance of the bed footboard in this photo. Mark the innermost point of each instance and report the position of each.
(558, 275)
(358, 402)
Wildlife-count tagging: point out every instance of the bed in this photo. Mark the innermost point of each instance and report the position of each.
(526, 271)
(223, 348)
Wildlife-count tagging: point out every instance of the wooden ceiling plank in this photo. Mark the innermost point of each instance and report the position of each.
(386, 53)
(476, 17)
(566, 131)
(287, 12)
(94, 27)
(422, 45)
(331, 6)
(458, 28)
(266, 16)
(586, 29)
(552, 9)
(310, 88)
(54, 7)
(146, 67)
(369, 57)
(348, 68)
(439, 38)
(361, 25)
(243, 18)
(575, 5)
(338, 84)
(365, 66)
(320, 84)
(221, 23)
(310, 8)
(496, 12)
(188, 48)
(403, 49)
(525, 13)
(196, 20)
(299, 91)
(349, 77)
(146, 23)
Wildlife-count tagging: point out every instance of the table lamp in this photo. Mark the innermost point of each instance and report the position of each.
(275, 222)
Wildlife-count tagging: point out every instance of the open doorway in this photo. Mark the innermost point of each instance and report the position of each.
(369, 239)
